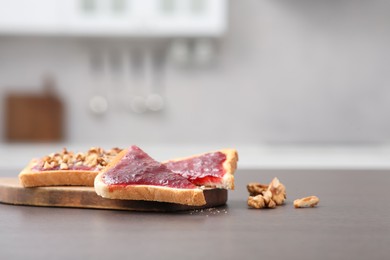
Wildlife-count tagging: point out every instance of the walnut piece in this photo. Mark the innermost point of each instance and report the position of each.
(261, 201)
(307, 202)
(255, 188)
(278, 191)
(95, 158)
(80, 157)
(101, 161)
(114, 151)
(64, 166)
(91, 160)
(46, 165)
(256, 202)
(266, 196)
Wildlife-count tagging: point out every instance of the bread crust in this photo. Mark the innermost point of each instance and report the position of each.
(229, 166)
(30, 178)
(192, 197)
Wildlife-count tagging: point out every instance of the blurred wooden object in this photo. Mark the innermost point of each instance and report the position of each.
(33, 118)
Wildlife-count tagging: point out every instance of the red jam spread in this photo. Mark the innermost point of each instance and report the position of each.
(206, 168)
(138, 168)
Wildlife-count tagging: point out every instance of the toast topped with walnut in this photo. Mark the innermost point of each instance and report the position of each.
(67, 168)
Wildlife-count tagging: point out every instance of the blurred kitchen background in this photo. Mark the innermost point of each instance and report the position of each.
(288, 83)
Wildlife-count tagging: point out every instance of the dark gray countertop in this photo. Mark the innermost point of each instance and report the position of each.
(352, 221)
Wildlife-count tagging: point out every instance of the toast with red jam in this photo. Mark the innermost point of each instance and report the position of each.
(134, 175)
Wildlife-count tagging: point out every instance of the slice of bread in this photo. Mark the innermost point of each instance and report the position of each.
(213, 169)
(134, 175)
(66, 168)
(31, 178)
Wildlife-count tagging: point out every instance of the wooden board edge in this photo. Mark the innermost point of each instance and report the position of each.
(11, 192)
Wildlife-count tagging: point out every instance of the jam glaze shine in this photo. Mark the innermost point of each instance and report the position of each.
(200, 170)
(138, 168)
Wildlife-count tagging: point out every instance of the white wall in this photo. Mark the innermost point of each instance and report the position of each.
(288, 71)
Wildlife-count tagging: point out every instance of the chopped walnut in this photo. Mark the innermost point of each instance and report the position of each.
(114, 151)
(94, 150)
(80, 157)
(91, 160)
(255, 188)
(54, 163)
(307, 202)
(78, 163)
(271, 204)
(96, 158)
(261, 201)
(266, 196)
(46, 165)
(66, 158)
(278, 191)
(256, 202)
(101, 161)
(64, 166)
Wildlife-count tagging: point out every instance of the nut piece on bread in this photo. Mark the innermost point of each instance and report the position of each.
(134, 175)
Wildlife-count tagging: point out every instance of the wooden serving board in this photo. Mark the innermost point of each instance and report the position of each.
(11, 192)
